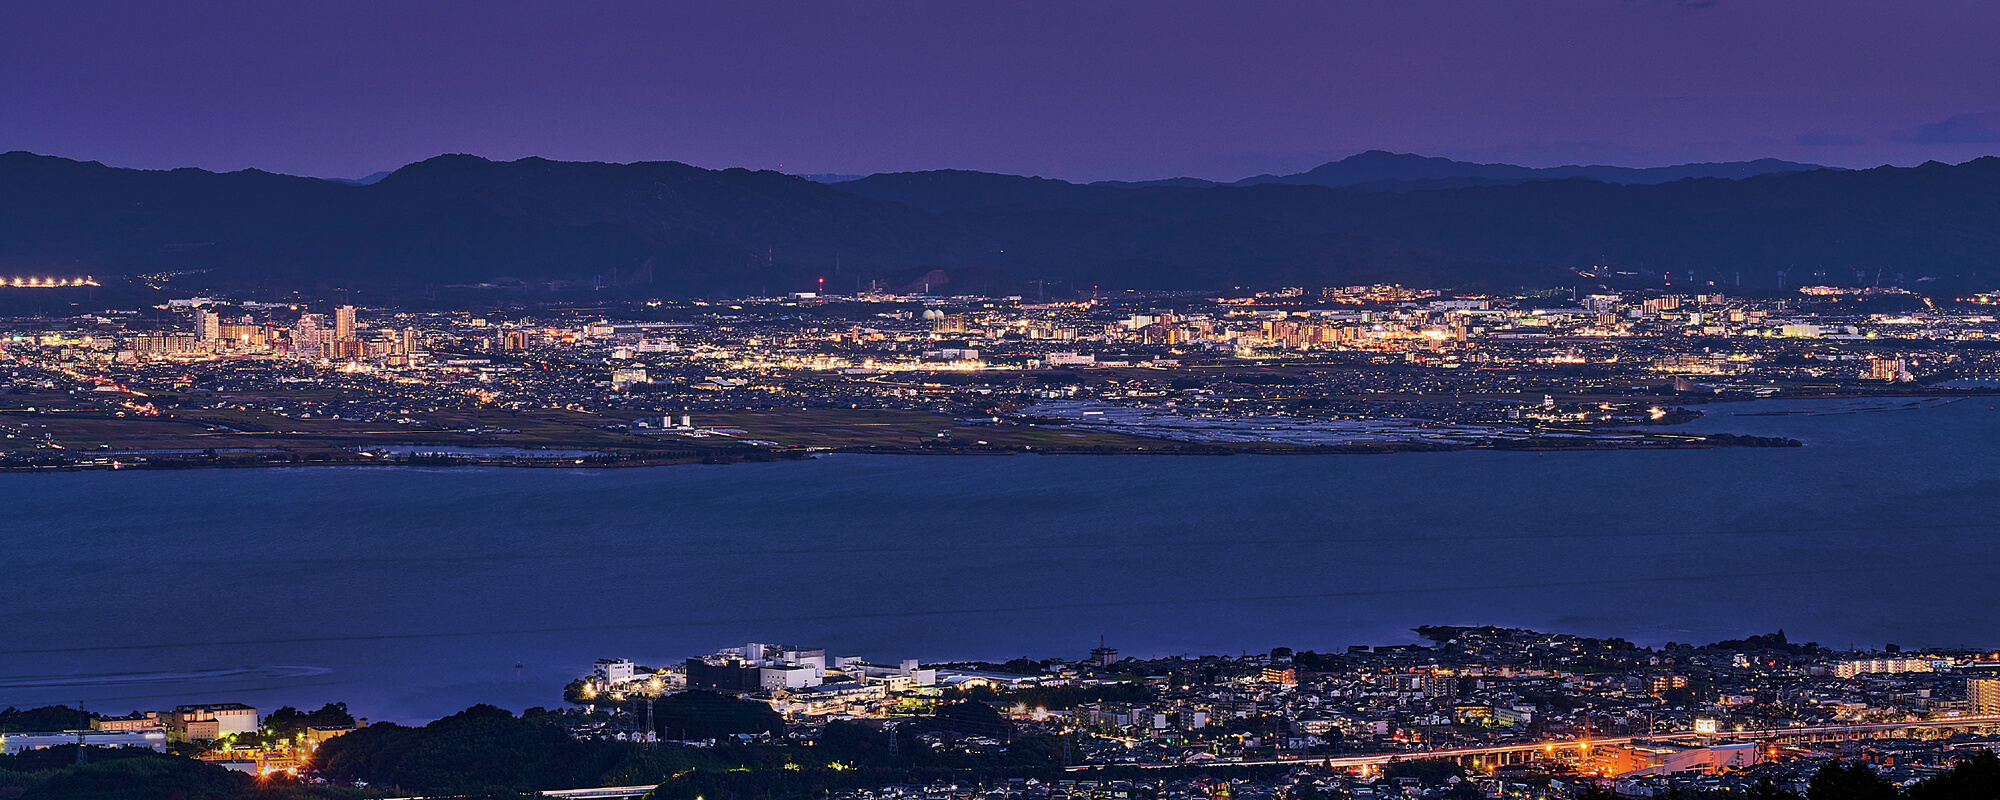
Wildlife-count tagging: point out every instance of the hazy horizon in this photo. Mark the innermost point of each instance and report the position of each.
(798, 173)
(1117, 90)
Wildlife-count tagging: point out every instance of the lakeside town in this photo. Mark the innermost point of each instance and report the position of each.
(220, 381)
(1476, 712)
(926, 400)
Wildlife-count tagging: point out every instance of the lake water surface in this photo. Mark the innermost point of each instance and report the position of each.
(411, 593)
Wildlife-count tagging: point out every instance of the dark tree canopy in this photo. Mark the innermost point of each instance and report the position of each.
(46, 718)
(1775, 642)
(475, 750)
(1849, 780)
(118, 774)
(288, 720)
(696, 715)
(978, 719)
(1975, 778)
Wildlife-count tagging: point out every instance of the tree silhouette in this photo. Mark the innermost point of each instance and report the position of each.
(1848, 780)
(1974, 778)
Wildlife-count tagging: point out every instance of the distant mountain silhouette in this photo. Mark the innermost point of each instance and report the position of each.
(1380, 170)
(1372, 171)
(1383, 171)
(670, 229)
(368, 180)
(1176, 183)
(949, 189)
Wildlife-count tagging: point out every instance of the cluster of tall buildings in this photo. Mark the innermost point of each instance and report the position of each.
(334, 337)
(313, 336)
(794, 680)
(764, 667)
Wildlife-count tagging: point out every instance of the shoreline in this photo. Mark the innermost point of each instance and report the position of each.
(1653, 441)
(343, 451)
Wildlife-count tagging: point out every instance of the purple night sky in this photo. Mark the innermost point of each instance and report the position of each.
(1076, 89)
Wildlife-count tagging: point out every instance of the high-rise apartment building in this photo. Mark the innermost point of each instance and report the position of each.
(309, 336)
(1849, 669)
(343, 323)
(207, 325)
(1982, 695)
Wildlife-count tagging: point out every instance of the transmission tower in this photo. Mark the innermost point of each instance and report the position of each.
(80, 757)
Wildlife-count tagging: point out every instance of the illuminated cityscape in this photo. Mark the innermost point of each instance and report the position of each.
(1359, 367)
(1503, 712)
(888, 400)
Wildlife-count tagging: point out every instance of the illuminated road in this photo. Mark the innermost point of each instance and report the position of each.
(604, 793)
(607, 793)
(1520, 749)
(1550, 748)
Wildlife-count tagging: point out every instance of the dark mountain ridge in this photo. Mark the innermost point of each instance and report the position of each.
(1372, 171)
(365, 180)
(670, 229)
(1385, 169)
